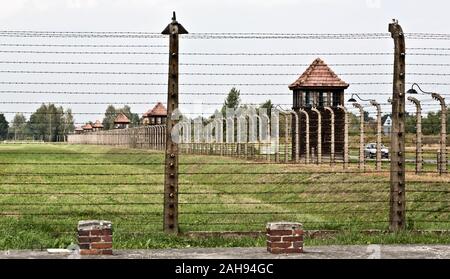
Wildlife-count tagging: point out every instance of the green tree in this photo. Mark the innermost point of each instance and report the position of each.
(431, 123)
(19, 126)
(50, 123)
(268, 106)
(112, 112)
(232, 101)
(4, 125)
(69, 121)
(110, 116)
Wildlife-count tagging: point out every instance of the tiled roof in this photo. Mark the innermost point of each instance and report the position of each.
(158, 110)
(121, 119)
(319, 76)
(87, 127)
(78, 129)
(98, 124)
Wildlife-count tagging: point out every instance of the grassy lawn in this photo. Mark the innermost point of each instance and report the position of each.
(46, 189)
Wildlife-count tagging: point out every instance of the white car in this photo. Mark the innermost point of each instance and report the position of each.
(371, 151)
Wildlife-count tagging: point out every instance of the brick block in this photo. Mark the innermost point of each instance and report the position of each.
(101, 245)
(95, 237)
(87, 239)
(273, 238)
(292, 238)
(106, 238)
(280, 233)
(284, 238)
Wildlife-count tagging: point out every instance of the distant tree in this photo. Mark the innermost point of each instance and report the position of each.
(354, 122)
(49, 123)
(431, 124)
(19, 125)
(232, 101)
(110, 116)
(367, 117)
(112, 112)
(4, 125)
(268, 106)
(68, 122)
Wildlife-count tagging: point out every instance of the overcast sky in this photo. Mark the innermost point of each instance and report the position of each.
(281, 16)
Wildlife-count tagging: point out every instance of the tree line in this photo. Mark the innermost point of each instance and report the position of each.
(48, 123)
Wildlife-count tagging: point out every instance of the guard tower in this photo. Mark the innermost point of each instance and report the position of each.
(121, 121)
(156, 116)
(319, 87)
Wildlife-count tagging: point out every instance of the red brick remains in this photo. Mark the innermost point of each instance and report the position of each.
(284, 238)
(95, 237)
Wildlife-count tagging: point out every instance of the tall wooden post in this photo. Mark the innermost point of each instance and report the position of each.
(174, 29)
(397, 213)
(361, 162)
(443, 141)
(419, 158)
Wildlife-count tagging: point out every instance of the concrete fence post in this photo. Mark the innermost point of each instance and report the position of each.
(443, 133)
(332, 139)
(361, 136)
(319, 135)
(419, 158)
(307, 151)
(378, 156)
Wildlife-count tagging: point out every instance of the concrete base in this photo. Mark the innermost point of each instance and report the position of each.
(311, 252)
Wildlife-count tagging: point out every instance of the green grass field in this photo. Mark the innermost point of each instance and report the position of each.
(46, 189)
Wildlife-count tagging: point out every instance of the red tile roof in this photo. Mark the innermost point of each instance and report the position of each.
(158, 110)
(97, 124)
(318, 76)
(121, 119)
(87, 127)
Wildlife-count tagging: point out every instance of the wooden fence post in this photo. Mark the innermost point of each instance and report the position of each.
(174, 29)
(397, 214)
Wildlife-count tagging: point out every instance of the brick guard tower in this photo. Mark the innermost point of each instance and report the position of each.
(319, 87)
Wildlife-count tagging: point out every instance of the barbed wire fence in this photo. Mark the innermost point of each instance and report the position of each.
(220, 186)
